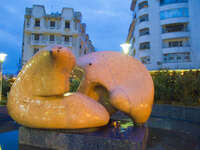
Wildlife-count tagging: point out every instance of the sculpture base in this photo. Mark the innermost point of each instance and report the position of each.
(107, 138)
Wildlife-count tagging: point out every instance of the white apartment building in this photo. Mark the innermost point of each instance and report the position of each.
(65, 28)
(165, 34)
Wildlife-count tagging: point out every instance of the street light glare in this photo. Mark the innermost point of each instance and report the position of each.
(2, 57)
(125, 47)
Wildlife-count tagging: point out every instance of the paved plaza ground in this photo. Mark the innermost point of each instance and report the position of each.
(6, 123)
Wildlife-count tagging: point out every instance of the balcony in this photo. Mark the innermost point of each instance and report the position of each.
(144, 38)
(167, 50)
(143, 11)
(173, 6)
(144, 24)
(168, 2)
(38, 43)
(44, 43)
(144, 53)
(175, 33)
(67, 44)
(174, 20)
(177, 65)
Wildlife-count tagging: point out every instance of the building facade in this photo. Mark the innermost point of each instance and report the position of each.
(65, 28)
(165, 34)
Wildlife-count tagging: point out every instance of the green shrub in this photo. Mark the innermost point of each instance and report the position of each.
(74, 84)
(5, 87)
(177, 87)
(3, 102)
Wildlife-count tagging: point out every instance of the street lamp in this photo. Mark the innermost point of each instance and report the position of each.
(125, 47)
(2, 58)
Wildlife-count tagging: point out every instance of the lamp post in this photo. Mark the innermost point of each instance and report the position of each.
(125, 47)
(2, 58)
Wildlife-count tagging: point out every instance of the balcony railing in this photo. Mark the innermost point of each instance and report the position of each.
(165, 30)
(42, 42)
(167, 2)
(184, 45)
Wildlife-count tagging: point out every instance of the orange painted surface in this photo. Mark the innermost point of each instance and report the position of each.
(37, 96)
(128, 81)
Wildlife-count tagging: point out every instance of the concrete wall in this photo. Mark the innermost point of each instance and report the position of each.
(191, 114)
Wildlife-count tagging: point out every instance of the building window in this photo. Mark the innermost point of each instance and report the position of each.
(176, 44)
(28, 22)
(76, 25)
(66, 38)
(177, 57)
(174, 13)
(182, 42)
(145, 60)
(35, 50)
(143, 5)
(144, 18)
(175, 28)
(166, 2)
(37, 22)
(52, 38)
(85, 52)
(67, 24)
(36, 37)
(145, 45)
(52, 24)
(144, 32)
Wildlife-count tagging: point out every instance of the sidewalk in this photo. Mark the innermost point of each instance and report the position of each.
(4, 114)
(6, 123)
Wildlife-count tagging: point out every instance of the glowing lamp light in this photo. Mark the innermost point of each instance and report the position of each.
(2, 57)
(125, 47)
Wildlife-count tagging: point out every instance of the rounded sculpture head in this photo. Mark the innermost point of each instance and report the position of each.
(127, 81)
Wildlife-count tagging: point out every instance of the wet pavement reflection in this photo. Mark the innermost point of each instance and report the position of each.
(157, 134)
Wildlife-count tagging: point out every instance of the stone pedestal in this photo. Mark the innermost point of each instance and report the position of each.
(107, 138)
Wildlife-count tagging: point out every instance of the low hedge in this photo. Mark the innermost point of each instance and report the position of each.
(177, 87)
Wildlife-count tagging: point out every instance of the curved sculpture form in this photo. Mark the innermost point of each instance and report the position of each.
(127, 81)
(37, 97)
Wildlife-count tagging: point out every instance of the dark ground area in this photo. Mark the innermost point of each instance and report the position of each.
(6, 123)
(161, 134)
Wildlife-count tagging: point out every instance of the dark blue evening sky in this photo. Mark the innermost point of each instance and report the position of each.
(107, 24)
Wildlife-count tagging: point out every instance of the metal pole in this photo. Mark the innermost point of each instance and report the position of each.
(1, 81)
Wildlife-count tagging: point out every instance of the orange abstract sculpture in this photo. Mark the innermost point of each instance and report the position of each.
(37, 97)
(112, 81)
(128, 82)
